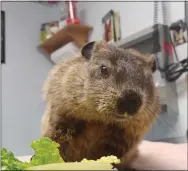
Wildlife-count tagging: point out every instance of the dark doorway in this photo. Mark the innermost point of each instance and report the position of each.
(2, 36)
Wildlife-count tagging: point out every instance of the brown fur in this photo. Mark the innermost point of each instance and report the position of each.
(81, 104)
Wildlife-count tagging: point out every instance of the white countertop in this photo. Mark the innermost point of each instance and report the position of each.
(24, 158)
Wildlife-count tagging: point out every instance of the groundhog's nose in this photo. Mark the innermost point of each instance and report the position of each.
(129, 103)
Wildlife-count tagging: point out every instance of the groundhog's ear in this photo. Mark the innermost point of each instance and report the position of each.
(152, 63)
(87, 50)
(150, 59)
(91, 47)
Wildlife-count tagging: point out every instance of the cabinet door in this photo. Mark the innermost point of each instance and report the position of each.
(164, 128)
(149, 135)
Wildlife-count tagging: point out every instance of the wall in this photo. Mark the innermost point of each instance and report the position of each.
(23, 74)
(136, 16)
(178, 12)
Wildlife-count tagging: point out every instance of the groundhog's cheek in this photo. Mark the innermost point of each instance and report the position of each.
(142, 122)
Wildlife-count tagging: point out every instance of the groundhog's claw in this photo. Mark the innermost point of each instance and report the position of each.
(120, 168)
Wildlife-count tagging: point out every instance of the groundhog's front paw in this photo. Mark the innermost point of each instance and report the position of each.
(119, 167)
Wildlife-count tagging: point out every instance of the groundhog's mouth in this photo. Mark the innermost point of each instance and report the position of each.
(120, 116)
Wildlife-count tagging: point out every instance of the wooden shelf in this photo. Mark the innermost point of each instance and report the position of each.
(71, 32)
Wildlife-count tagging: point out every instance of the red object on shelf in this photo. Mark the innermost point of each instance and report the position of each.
(73, 21)
(72, 17)
(52, 2)
(71, 5)
(167, 47)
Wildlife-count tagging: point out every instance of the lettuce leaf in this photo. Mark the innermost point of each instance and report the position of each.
(9, 162)
(46, 152)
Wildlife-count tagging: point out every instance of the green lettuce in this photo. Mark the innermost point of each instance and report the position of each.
(9, 162)
(46, 152)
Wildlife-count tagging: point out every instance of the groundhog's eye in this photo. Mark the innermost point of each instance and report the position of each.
(104, 70)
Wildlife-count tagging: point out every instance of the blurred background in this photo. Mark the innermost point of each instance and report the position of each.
(36, 35)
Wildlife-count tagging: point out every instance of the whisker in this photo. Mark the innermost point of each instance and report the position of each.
(150, 112)
(173, 129)
(168, 106)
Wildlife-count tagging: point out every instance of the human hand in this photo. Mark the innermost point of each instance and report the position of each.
(161, 156)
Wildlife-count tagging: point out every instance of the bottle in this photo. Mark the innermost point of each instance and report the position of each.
(72, 18)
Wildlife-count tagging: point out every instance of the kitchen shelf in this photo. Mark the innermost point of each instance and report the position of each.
(70, 33)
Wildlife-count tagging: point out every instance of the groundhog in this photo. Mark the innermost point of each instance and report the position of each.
(100, 103)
